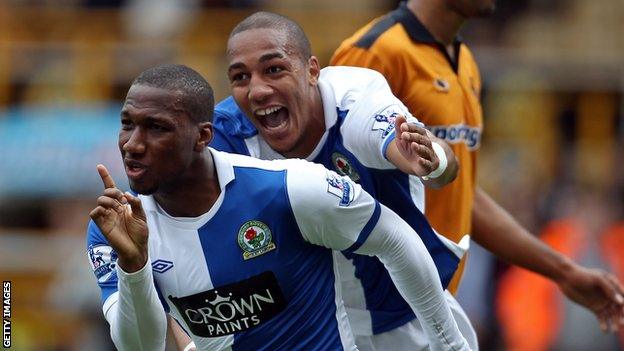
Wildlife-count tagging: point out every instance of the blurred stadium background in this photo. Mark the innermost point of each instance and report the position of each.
(553, 106)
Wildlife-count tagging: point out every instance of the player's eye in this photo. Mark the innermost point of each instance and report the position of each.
(237, 77)
(126, 124)
(158, 127)
(274, 69)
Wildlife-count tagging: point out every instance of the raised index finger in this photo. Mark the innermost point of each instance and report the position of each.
(106, 177)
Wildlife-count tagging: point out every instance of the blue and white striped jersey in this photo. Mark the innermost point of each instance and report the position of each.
(255, 272)
(360, 110)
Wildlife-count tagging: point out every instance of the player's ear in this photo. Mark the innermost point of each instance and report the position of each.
(314, 70)
(205, 136)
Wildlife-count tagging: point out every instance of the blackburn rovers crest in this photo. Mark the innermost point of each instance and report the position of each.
(255, 238)
(344, 167)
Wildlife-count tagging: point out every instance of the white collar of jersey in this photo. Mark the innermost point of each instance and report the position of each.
(329, 102)
(225, 170)
(225, 174)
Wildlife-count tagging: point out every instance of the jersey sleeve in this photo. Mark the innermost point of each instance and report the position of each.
(369, 126)
(371, 139)
(126, 299)
(330, 210)
(413, 272)
(103, 260)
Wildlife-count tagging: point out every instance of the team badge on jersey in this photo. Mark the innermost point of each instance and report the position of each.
(442, 85)
(232, 308)
(103, 260)
(340, 187)
(344, 167)
(255, 238)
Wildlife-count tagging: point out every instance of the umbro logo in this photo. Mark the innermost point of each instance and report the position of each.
(161, 266)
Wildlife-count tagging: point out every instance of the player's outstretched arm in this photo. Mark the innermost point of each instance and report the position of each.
(416, 151)
(334, 212)
(414, 274)
(497, 231)
(137, 319)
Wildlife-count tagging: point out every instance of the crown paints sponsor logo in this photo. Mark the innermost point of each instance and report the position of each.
(222, 312)
(458, 133)
(232, 308)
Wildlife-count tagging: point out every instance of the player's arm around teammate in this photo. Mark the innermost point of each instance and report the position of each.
(386, 235)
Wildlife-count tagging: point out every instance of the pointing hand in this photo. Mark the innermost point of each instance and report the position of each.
(122, 220)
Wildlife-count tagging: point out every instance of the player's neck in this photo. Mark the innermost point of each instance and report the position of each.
(441, 21)
(194, 195)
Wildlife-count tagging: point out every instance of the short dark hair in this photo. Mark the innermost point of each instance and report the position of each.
(272, 20)
(196, 93)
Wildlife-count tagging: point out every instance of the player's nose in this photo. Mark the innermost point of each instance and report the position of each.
(259, 90)
(135, 142)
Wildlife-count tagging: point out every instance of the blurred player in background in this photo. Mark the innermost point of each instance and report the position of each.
(237, 249)
(430, 70)
(284, 106)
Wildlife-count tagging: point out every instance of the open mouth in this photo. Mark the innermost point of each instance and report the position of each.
(134, 169)
(274, 118)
